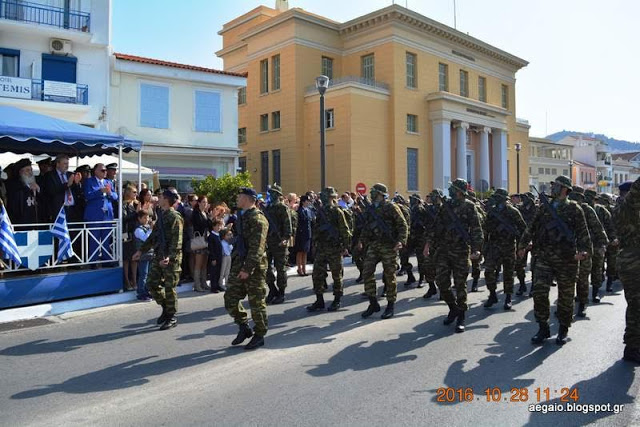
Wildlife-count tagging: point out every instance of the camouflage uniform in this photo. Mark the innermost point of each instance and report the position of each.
(249, 256)
(385, 228)
(331, 237)
(475, 263)
(456, 233)
(432, 212)
(627, 224)
(357, 253)
(504, 224)
(280, 229)
(405, 252)
(162, 280)
(417, 234)
(528, 211)
(604, 214)
(556, 258)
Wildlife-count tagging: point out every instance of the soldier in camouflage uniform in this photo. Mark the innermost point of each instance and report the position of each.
(432, 210)
(475, 263)
(385, 234)
(357, 254)
(528, 211)
(599, 241)
(164, 273)
(417, 235)
(604, 211)
(331, 236)
(280, 231)
(561, 241)
(405, 252)
(456, 237)
(626, 219)
(504, 224)
(248, 271)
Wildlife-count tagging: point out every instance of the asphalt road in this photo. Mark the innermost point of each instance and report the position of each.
(112, 367)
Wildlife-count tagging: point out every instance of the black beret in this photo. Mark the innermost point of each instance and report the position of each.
(83, 168)
(112, 166)
(170, 194)
(625, 186)
(248, 191)
(45, 161)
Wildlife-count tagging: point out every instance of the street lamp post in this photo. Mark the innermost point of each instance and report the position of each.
(518, 148)
(322, 84)
(599, 178)
(571, 171)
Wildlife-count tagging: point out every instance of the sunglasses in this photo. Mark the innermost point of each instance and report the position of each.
(102, 170)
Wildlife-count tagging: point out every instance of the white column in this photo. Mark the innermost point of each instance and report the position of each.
(461, 150)
(485, 178)
(499, 152)
(441, 153)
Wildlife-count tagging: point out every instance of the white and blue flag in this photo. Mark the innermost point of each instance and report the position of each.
(7, 239)
(61, 232)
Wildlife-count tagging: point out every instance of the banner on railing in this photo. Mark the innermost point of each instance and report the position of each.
(60, 89)
(35, 247)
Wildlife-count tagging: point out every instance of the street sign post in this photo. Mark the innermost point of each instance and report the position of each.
(361, 189)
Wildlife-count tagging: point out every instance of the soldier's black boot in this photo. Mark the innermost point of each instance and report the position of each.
(318, 304)
(420, 280)
(163, 316)
(523, 287)
(383, 293)
(493, 299)
(542, 334)
(388, 312)
(256, 341)
(374, 307)
(244, 333)
(474, 285)
(279, 298)
(582, 310)
(561, 339)
(609, 284)
(454, 312)
(273, 292)
(411, 279)
(359, 279)
(169, 322)
(460, 323)
(335, 305)
(631, 354)
(431, 292)
(595, 297)
(507, 302)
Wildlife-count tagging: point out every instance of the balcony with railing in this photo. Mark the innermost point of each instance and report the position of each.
(66, 93)
(352, 80)
(37, 13)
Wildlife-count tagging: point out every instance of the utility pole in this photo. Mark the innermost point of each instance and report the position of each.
(455, 19)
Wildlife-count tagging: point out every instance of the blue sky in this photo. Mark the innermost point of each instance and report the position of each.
(583, 54)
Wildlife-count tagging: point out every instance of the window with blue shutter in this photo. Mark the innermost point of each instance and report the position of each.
(154, 106)
(208, 112)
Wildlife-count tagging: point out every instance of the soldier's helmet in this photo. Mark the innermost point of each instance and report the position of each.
(436, 193)
(529, 195)
(578, 190)
(460, 185)
(329, 192)
(590, 195)
(415, 198)
(399, 199)
(564, 181)
(605, 198)
(380, 188)
(501, 194)
(276, 189)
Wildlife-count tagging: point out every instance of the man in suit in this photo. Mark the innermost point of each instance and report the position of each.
(57, 190)
(99, 196)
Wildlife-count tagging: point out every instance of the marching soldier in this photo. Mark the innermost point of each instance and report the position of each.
(164, 274)
(625, 218)
(331, 237)
(475, 263)
(280, 231)
(562, 241)
(436, 197)
(504, 224)
(604, 211)
(599, 242)
(359, 222)
(458, 234)
(417, 236)
(528, 211)
(385, 234)
(248, 271)
(405, 252)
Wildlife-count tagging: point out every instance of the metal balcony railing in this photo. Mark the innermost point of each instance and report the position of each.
(18, 10)
(38, 92)
(352, 79)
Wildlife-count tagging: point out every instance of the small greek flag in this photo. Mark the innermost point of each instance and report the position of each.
(7, 239)
(61, 232)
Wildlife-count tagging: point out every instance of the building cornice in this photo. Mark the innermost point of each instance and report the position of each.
(154, 148)
(468, 102)
(295, 13)
(255, 13)
(169, 73)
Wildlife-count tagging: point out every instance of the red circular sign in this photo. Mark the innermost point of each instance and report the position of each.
(361, 188)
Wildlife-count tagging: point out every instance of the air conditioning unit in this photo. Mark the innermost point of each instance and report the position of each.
(60, 46)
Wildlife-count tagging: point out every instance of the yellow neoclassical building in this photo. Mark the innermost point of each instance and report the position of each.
(413, 103)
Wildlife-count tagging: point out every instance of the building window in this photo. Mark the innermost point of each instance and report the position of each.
(554, 171)
(411, 60)
(276, 166)
(412, 169)
(264, 169)
(208, 111)
(9, 62)
(329, 119)
(327, 67)
(582, 177)
(412, 123)
(275, 120)
(154, 106)
(505, 96)
(482, 89)
(530, 171)
(547, 171)
(59, 68)
(464, 83)
(541, 171)
(368, 67)
(275, 63)
(264, 123)
(264, 76)
(242, 135)
(565, 172)
(242, 96)
(443, 77)
(242, 164)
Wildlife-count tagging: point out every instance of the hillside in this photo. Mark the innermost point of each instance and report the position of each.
(615, 144)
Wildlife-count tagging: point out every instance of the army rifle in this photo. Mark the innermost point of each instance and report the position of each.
(557, 222)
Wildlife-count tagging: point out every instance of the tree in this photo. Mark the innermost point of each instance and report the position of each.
(223, 189)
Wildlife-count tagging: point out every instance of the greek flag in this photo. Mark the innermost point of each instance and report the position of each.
(61, 232)
(7, 239)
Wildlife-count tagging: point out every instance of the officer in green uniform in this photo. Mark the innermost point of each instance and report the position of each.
(331, 237)
(528, 211)
(385, 234)
(248, 271)
(597, 274)
(164, 273)
(280, 231)
(432, 211)
(417, 236)
(561, 241)
(475, 263)
(405, 252)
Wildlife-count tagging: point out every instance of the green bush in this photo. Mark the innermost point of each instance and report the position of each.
(223, 189)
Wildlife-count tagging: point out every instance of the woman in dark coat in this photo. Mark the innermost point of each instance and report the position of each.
(303, 234)
(201, 226)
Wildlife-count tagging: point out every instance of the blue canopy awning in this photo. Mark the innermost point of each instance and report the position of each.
(27, 132)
